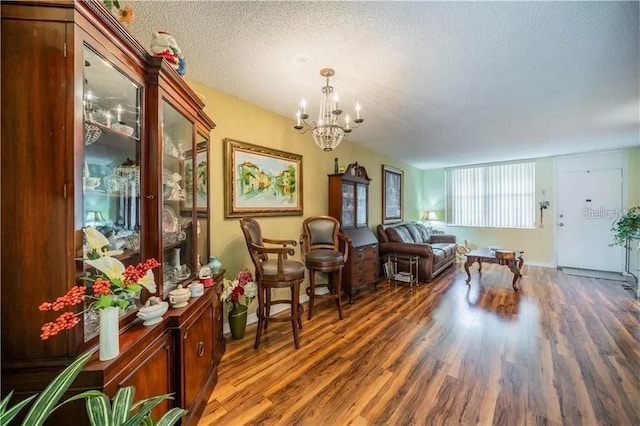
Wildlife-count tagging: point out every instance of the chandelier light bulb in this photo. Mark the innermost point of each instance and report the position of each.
(327, 132)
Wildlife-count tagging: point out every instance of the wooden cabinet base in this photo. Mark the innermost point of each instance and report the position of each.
(151, 359)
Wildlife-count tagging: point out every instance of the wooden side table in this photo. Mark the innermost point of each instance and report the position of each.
(393, 275)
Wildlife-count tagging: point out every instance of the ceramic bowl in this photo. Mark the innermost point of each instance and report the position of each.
(179, 297)
(152, 314)
(196, 289)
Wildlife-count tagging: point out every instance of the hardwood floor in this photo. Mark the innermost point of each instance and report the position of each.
(563, 350)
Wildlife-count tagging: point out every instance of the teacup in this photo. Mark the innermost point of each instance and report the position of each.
(90, 182)
(197, 289)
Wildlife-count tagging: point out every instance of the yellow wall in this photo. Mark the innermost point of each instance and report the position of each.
(537, 243)
(239, 120)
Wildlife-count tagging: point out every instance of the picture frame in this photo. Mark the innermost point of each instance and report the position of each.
(261, 181)
(202, 183)
(392, 201)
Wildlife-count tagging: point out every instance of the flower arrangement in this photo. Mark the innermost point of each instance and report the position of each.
(125, 13)
(113, 285)
(243, 286)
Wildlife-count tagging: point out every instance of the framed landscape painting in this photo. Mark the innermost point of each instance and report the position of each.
(391, 194)
(261, 181)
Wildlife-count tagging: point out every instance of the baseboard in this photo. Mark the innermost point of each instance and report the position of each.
(275, 309)
(540, 264)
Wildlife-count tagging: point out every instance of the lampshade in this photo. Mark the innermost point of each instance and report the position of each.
(429, 215)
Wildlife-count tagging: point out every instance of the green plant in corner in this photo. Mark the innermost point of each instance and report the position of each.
(46, 402)
(101, 411)
(122, 411)
(626, 226)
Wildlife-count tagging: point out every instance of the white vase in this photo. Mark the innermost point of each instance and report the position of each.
(109, 333)
(176, 258)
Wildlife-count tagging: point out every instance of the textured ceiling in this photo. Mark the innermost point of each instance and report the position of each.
(440, 83)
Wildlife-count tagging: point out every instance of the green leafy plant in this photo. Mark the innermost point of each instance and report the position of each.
(47, 400)
(626, 226)
(121, 411)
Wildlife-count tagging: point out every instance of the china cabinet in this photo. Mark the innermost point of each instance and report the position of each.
(98, 133)
(349, 203)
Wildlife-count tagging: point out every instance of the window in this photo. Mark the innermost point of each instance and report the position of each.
(496, 196)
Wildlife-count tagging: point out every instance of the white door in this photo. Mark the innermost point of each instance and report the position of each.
(588, 203)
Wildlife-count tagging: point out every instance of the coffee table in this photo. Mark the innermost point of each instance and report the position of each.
(487, 255)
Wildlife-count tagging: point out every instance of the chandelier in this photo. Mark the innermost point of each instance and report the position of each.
(327, 132)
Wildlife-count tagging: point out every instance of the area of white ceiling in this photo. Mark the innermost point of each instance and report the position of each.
(440, 83)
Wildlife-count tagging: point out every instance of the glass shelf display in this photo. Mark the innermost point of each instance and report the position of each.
(362, 205)
(111, 162)
(198, 184)
(177, 223)
(348, 205)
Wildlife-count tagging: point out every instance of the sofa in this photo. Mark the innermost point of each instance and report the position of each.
(436, 252)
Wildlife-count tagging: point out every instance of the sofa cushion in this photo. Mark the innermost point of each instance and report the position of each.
(448, 248)
(415, 234)
(425, 235)
(399, 234)
(438, 254)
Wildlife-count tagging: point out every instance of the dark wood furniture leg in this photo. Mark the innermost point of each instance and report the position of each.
(469, 262)
(516, 274)
(337, 288)
(312, 291)
(296, 313)
(516, 267)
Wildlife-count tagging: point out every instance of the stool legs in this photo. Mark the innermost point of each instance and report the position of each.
(337, 288)
(312, 291)
(335, 285)
(296, 321)
(260, 313)
(264, 312)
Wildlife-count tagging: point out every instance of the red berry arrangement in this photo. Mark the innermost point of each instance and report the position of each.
(106, 292)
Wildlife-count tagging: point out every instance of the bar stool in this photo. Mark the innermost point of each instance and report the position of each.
(274, 273)
(321, 240)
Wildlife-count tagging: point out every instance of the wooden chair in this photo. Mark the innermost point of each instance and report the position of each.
(321, 240)
(274, 273)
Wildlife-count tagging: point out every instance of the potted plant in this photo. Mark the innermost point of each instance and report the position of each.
(101, 411)
(626, 226)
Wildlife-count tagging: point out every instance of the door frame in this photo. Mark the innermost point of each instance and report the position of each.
(602, 160)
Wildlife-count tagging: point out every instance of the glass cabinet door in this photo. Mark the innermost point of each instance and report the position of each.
(197, 197)
(361, 192)
(348, 205)
(178, 229)
(110, 163)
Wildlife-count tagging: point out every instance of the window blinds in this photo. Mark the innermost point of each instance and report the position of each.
(497, 196)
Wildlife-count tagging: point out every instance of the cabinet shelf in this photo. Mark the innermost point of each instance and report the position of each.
(104, 130)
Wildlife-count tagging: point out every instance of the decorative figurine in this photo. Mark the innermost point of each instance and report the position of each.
(164, 45)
